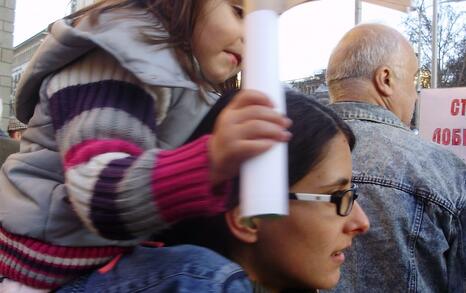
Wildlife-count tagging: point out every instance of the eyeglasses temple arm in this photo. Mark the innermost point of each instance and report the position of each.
(313, 197)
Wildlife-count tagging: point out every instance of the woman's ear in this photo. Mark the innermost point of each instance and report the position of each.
(384, 80)
(244, 229)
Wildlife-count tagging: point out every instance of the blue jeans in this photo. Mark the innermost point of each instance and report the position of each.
(184, 268)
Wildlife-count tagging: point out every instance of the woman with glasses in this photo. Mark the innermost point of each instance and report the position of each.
(302, 251)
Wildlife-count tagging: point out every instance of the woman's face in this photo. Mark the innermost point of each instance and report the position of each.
(218, 39)
(306, 249)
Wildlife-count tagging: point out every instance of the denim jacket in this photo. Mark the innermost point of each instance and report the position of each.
(182, 269)
(414, 193)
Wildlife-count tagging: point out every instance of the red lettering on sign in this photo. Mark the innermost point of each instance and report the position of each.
(457, 106)
(456, 136)
(447, 136)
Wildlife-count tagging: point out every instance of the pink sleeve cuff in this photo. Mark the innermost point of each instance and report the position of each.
(182, 186)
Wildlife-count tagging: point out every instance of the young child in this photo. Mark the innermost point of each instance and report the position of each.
(109, 98)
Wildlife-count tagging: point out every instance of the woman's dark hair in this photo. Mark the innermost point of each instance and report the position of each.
(177, 17)
(314, 125)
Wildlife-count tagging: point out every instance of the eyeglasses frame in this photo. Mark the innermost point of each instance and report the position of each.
(335, 198)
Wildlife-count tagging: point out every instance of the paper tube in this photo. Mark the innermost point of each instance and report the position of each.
(264, 179)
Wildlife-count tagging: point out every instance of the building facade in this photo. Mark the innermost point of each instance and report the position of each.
(310, 85)
(7, 18)
(21, 55)
(313, 86)
(19, 59)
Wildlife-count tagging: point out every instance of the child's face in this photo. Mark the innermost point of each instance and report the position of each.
(218, 39)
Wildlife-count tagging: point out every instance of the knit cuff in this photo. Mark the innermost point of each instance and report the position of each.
(182, 184)
(46, 266)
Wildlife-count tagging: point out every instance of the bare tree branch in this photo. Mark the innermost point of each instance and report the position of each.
(451, 41)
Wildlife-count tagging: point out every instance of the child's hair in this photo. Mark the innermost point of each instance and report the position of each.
(177, 17)
(314, 125)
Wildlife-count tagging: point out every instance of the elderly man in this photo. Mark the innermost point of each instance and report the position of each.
(413, 191)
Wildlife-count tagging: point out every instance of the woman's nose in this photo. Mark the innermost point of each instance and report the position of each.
(358, 223)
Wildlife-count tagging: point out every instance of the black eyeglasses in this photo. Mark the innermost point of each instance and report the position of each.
(344, 199)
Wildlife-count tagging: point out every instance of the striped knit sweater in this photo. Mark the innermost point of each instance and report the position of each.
(119, 183)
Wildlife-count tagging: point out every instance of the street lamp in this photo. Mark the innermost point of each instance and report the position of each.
(357, 12)
(434, 45)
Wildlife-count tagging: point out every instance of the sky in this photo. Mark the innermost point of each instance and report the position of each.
(308, 33)
(32, 16)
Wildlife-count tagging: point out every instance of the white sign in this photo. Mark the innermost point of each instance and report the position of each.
(443, 118)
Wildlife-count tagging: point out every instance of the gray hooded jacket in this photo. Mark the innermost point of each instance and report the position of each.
(32, 192)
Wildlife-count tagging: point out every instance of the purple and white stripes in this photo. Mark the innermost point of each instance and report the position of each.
(119, 183)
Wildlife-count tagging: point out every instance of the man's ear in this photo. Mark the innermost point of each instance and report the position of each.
(244, 229)
(384, 80)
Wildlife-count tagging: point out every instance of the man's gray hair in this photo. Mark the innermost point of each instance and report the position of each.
(362, 50)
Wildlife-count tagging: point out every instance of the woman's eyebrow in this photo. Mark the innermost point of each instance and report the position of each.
(338, 182)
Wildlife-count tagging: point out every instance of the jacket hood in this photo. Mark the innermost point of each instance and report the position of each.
(117, 32)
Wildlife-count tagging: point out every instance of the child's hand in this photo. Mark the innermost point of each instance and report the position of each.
(247, 127)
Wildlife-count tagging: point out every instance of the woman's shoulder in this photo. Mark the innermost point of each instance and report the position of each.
(199, 261)
(184, 267)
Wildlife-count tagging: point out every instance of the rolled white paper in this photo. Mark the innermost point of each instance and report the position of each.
(264, 179)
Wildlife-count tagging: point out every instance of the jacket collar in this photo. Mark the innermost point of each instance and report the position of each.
(367, 112)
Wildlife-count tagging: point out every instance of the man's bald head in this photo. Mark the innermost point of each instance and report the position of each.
(362, 50)
(376, 64)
